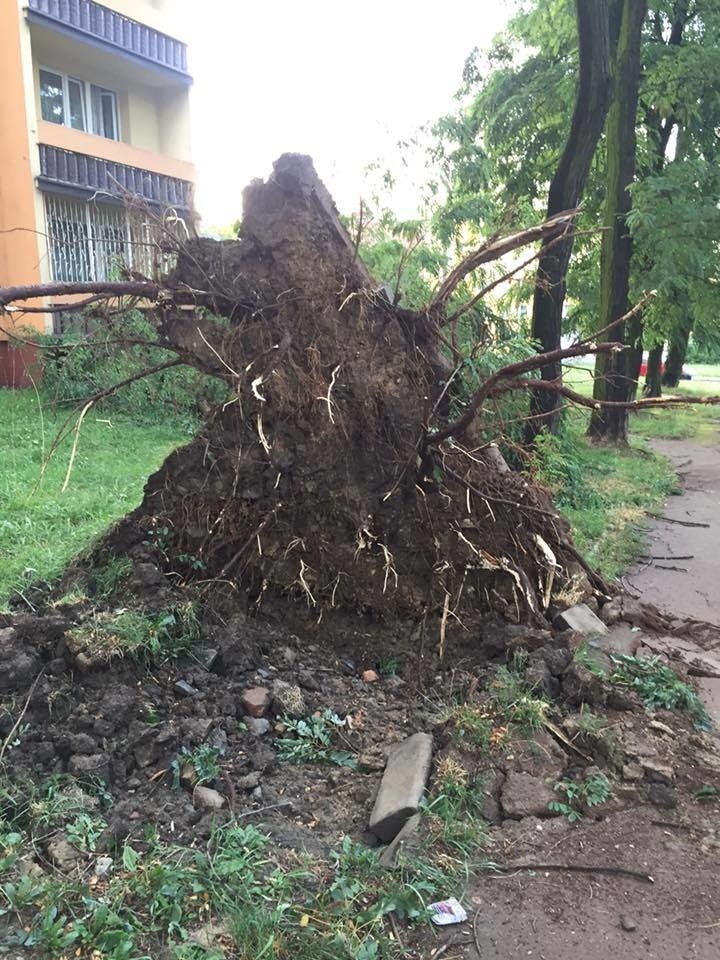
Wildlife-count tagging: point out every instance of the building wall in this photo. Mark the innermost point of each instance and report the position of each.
(154, 129)
(18, 249)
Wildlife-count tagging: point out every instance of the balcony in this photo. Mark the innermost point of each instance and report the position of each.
(78, 174)
(100, 26)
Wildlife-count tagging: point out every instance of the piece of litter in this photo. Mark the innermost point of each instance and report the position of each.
(445, 912)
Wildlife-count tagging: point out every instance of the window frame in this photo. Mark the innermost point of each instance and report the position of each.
(86, 87)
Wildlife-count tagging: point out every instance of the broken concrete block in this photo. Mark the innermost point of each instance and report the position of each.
(205, 798)
(402, 786)
(581, 619)
(391, 851)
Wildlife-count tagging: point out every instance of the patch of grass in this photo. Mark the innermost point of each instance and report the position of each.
(196, 765)
(454, 810)
(659, 686)
(314, 741)
(521, 710)
(511, 708)
(111, 574)
(159, 894)
(128, 633)
(604, 492)
(42, 528)
(388, 666)
(471, 727)
(585, 655)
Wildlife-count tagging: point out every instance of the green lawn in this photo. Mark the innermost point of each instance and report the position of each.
(42, 528)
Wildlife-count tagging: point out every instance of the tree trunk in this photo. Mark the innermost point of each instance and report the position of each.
(614, 374)
(677, 351)
(566, 190)
(653, 377)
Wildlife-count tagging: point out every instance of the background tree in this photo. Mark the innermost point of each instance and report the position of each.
(615, 374)
(566, 191)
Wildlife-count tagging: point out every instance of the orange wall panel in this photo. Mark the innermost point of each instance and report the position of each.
(19, 261)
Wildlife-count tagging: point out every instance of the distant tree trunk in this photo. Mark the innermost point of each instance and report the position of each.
(566, 190)
(677, 351)
(653, 377)
(614, 375)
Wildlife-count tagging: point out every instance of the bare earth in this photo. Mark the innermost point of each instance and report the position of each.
(694, 589)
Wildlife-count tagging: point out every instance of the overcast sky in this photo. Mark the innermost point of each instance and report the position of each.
(341, 81)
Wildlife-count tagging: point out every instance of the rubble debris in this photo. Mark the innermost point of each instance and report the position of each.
(402, 785)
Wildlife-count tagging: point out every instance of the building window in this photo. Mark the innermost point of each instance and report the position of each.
(96, 241)
(51, 97)
(75, 103)
(104, 112)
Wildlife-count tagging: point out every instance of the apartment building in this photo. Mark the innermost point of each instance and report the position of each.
(94, 144)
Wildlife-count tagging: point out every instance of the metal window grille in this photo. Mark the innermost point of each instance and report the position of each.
(93, 241)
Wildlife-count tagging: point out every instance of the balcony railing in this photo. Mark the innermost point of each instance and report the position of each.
(101, 25)
(81, 174)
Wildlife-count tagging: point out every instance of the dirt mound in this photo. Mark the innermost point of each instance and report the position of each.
(320, 478)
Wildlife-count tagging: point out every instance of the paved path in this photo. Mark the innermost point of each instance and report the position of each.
(693, 590)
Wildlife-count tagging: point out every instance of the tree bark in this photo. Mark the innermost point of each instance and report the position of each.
(614, 374)
(677, 351)
(653, 377)
(566, 190)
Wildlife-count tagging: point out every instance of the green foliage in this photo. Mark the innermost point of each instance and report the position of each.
(585, 655)
(129, 633)
(201, 762)
(388, 666)
(100, 353)
(522, 711)
(153, 900)
(111, 574)
(398, 255)
(558, 465)
(455, 810)
(578, 794)
(659, 686)
(41, 527)
(85, 831)
(313, 741)
(707, 792)
(471, 727)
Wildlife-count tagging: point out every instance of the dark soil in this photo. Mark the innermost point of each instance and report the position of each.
(126, 723)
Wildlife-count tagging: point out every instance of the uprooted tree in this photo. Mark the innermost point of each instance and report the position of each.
(344, 470)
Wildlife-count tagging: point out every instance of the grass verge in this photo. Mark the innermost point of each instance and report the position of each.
(42, 527)
(231, 898)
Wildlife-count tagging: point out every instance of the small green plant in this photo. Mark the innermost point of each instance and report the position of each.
(591, 724)
(388, 666)
(515, 700)
(659, 686)
(706, 792)
(590, 659)
(313, 741)
(85, 831)
(198, 764)
(590, 792)
(471, 727)
(454, 810)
